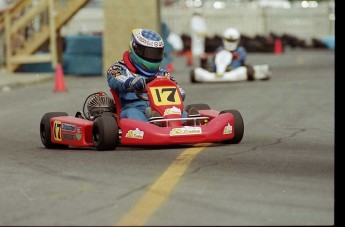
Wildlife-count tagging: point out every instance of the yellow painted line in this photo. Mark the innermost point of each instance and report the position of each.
(161, 189)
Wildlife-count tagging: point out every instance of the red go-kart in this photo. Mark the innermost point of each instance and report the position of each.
(101, 127)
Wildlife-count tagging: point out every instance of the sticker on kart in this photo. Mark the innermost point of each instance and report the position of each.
(61, 129)
(187, 130)
(135, 134)
(227, 129)
(173, 110)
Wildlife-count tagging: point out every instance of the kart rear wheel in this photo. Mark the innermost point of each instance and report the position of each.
(238, 126)
(198, 106)
(105, 133)
(192, 77)
(45, 130)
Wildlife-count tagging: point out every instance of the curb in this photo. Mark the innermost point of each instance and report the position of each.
(19, 83)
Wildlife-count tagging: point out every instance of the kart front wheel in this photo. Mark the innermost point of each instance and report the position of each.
(192, 77)
(238, 126)
(45, 130)
(105, 133)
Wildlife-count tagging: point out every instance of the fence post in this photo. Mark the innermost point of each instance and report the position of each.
(52, 29)
(8, 43)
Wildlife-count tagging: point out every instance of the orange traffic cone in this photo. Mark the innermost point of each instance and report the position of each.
(189, 58)
(59, 79)
(278, 47)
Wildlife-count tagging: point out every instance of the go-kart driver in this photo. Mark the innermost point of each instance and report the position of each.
(231, 39)
(143, 60)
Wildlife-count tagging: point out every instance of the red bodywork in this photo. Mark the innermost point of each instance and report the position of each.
(72, 131)
(165, 98)
(149, 134)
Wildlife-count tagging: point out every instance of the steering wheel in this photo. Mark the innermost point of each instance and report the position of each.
(139, 94)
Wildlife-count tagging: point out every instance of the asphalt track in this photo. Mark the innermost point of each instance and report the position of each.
(282, 172)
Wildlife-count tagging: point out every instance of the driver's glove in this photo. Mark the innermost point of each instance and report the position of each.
(235, 55)
(136, 83)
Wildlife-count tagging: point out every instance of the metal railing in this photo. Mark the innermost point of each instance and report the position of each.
(27, 25)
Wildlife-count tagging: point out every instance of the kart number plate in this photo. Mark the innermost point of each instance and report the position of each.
(165, 96)
(57, 131)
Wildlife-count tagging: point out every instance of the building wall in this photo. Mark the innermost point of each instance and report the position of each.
(120, 17)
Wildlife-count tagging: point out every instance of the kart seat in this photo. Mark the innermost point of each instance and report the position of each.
(117, 103)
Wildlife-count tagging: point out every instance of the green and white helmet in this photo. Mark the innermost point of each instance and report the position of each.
(146, 51)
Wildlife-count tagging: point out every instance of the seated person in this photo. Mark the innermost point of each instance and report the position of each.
(143, 60)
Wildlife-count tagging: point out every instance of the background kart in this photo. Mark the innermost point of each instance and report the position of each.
(101, 127)
(217, 68)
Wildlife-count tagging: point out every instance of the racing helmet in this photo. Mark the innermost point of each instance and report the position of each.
(231, 39)
(146, 51)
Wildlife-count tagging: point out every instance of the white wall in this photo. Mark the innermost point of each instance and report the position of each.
(304, 23)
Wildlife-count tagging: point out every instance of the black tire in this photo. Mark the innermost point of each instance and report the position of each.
(192, 77)
(250, 72)
(108, 114)
(45, 130)
(238, 127)
(105, 133)
(198, 106)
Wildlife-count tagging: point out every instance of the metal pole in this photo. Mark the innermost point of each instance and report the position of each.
(8, 40)
(52, 28)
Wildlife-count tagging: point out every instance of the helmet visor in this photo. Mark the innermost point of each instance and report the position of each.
(231, 46)
(230, 39)
(152, 54)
